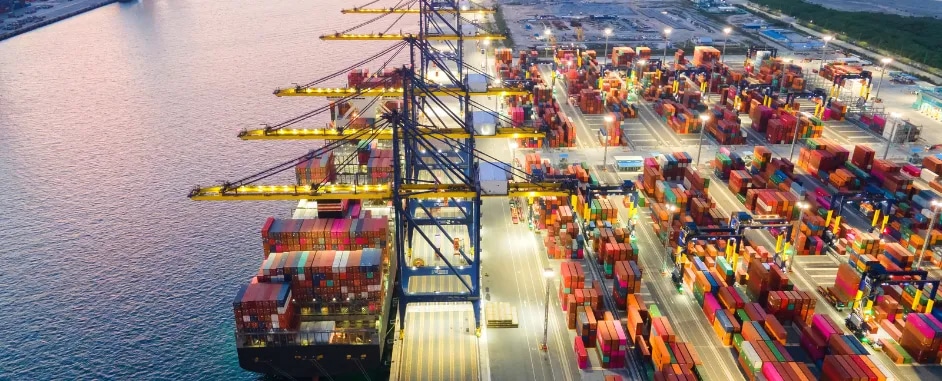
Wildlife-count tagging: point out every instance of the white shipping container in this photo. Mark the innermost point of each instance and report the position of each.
(752, 357)
(335, 266)
(927, 175)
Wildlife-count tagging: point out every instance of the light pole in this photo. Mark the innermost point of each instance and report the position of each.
(885, 60)
(895, 117)
(802, 206)
(824, 49)
(608, 32)
(667, 39)
(608, 120)
(548, 274)
(487, 43)
(726, 32)
(791, 154)
(549, 34)
(925, 244)
(703, 120)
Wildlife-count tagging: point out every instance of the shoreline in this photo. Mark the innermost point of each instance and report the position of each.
(91, 5)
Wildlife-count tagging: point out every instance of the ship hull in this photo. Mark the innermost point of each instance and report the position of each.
(295, 361)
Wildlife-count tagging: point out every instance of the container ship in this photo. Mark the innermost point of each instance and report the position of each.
(321, 301)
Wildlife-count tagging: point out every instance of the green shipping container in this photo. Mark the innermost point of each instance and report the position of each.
(654, 311)
(737, 341)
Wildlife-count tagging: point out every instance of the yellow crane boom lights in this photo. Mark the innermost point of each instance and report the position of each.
(406, 36)
(365, 192)
(389, 92)
(384, 134)
(414, 11)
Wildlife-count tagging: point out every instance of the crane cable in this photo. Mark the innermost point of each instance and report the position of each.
(374, 19)
(367, 4)
(347, 69)
(290, 163)
(304, 158)
(322, 109)
(344, 99)
(347, 160)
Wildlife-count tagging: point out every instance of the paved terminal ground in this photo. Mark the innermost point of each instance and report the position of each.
(634, 23)
(440, 343)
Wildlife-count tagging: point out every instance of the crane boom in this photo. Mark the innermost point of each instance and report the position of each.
(407, 36)
(367, 192)
(413, 11)
(389, 92)
(385, 134)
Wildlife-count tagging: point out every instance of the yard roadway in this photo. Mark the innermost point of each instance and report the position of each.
(686, 317)
(513, 265)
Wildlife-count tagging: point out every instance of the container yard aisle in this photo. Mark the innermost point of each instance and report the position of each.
(845, 132)
(681, 309)
(512, 267)
(585, 138)
(654, 121)
(514, 274)
(440, 343)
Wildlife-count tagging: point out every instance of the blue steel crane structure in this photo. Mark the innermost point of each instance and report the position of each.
(431, 166)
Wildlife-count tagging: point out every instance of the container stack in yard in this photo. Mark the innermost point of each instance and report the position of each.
(725, 126)
(679, 118)
(726, 162)
(779, 125)
(581, 73)
(615, 92)
(774, 70)
(706, 56)
(622, 56)
(611, 133)
(539, 110)
(755, 322)
(561, 132)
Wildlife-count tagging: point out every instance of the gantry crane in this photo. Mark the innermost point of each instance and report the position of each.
(424, 177)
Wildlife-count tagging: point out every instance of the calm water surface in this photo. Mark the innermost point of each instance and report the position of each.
(107, 270)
